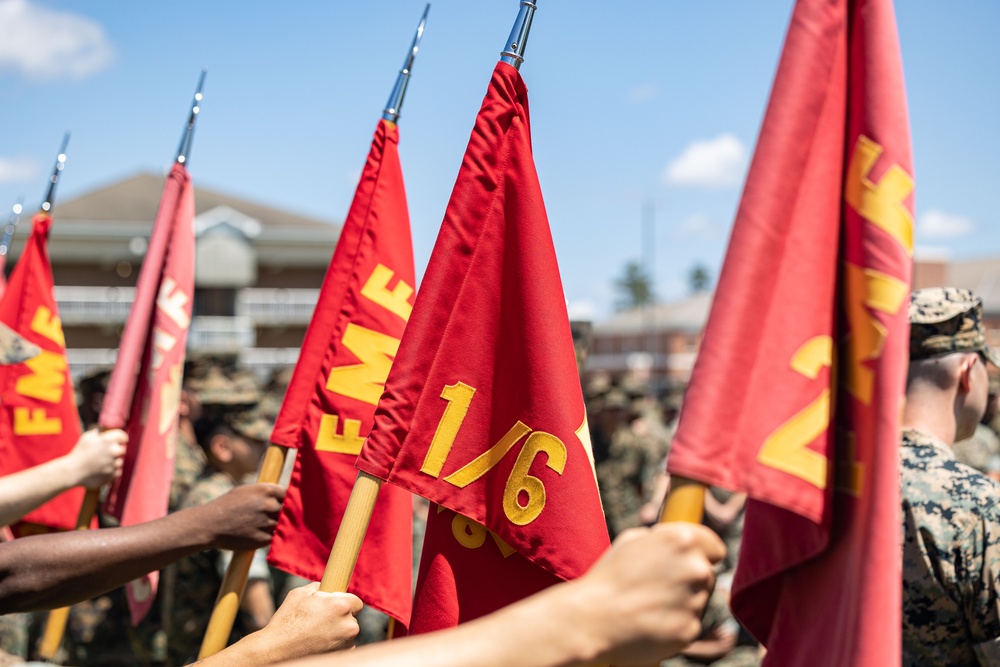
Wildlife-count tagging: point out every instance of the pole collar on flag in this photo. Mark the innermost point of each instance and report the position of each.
(184, 150)
(513, 53)
(54, 178)
(395, 103)
(8, 232)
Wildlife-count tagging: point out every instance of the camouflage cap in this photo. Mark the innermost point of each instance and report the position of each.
(945, 320)
(251, 424)
(14, 349)
(216, 388)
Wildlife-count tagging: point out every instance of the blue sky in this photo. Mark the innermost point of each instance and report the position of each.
(631, 102)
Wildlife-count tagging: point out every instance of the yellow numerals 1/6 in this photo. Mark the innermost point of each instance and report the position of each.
(520, 483)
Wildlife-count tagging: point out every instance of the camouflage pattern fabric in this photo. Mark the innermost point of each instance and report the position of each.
(624, 478)
(14, 631)
(951, 558)
(189, 465)
(945, 320)
(198, 580)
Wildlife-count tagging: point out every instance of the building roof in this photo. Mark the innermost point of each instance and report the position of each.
(136, 198)
(982, 276)
(689, 314)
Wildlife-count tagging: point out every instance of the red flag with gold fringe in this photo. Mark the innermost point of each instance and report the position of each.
(796, 392)
(482, 412)
(329, 407)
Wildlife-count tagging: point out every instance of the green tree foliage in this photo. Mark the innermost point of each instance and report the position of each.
(634, 287)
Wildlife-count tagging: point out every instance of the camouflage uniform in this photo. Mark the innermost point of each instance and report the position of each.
(199, 578)
(951, 558)
(189, 465)
(951, 512)
(625, 478)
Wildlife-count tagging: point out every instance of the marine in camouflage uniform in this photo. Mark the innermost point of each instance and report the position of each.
(626, 477)
(199, 577)
(951, 512)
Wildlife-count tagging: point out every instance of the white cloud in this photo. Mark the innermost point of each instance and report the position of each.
(17, 170)
(43, 43)
(713, 163)
(936, 224)
(642, 92)
(581, 309)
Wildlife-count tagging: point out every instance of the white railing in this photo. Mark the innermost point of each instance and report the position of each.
(111, 305)
(94, 305)
(263, 361)
(85, 361)
(277, 306)
(221, 334)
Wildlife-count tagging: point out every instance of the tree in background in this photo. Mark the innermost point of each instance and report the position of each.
(634, 287)
(699, 279)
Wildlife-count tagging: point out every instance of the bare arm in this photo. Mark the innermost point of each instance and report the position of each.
(307, 623)
(641, 602)
(47, 571)
(95, 460)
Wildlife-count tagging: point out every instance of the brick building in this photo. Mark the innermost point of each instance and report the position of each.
(258, 271)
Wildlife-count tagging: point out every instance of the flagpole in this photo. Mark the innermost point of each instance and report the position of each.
(685, 502)
(184, 149)
(358, 514)
(234, 582)
(55, 624)
(8, 232)
(50, 194)
(395, 102)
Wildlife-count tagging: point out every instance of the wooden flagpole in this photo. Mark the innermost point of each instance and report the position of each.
(55, 624)
(227, 605)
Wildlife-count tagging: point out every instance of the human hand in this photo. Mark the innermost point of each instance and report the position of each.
(310, 622)
(646, 595)
(96, 459)
(243, 519)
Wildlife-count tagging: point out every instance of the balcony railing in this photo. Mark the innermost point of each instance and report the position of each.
(221, 334)
(277, 306)
(261, 360)
(94, 305)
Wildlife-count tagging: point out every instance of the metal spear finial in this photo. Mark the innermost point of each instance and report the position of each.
(8, 231)
(513, 53)
(54, 178)
(184, 150)
(392, 107)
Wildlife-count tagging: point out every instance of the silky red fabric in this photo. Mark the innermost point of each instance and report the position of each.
(145, 386)
(812, 263)
(461, 581)
(491, 316)
(375, 234)
(38, 415)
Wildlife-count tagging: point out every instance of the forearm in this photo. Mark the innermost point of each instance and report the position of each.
(258, 603)
(543, 631)
(28, 489)
(49, 571)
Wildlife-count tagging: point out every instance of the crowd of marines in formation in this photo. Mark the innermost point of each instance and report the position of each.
(949, 467)
(224, 423)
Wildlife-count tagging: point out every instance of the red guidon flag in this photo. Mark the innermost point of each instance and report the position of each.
(482, 412)
(796, 394)
(38, 414)
(144, 389)
(329, 407)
